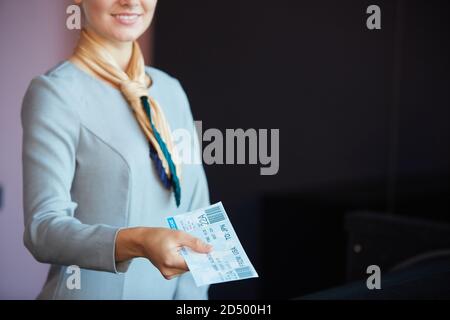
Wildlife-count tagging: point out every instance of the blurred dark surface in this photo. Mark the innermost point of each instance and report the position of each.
(392, 242)
(314, 233)
(363, 118)
(427, 280)
(413, 256)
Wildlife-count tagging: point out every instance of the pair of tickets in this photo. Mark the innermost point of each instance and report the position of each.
(227, 261)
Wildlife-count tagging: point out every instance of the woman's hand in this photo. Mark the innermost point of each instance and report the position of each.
(160, 245)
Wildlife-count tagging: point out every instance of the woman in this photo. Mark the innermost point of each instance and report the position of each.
(99, 171)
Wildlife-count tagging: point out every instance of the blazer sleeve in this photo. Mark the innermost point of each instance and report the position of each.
(50, 136)
(186, 288)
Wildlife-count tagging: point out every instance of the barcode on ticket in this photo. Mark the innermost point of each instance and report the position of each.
(214, 214)
(244, 272)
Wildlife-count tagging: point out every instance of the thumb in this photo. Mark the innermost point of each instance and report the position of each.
(195, 244)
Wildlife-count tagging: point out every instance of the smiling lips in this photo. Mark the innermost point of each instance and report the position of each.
(127, 18)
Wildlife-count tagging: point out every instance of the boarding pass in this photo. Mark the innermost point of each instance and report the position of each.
(227, 261)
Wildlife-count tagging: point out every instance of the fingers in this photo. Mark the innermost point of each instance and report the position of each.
(181, 264)
(194, 243)
(173, 267)
(170, 274)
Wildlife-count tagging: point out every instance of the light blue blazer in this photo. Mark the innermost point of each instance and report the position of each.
(87, 173)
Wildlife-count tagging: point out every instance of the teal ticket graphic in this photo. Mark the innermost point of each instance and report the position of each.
(228, 260)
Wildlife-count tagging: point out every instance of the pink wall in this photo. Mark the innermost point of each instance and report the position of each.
(33, 38)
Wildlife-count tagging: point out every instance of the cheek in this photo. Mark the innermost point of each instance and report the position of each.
(97, 13)
(149, 7)
(149, 4)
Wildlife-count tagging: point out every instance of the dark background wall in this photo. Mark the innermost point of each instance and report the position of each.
(363, 118)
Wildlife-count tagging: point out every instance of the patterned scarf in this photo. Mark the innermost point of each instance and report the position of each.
(148, 113)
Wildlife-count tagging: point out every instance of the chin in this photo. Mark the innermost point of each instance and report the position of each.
(126, 35)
